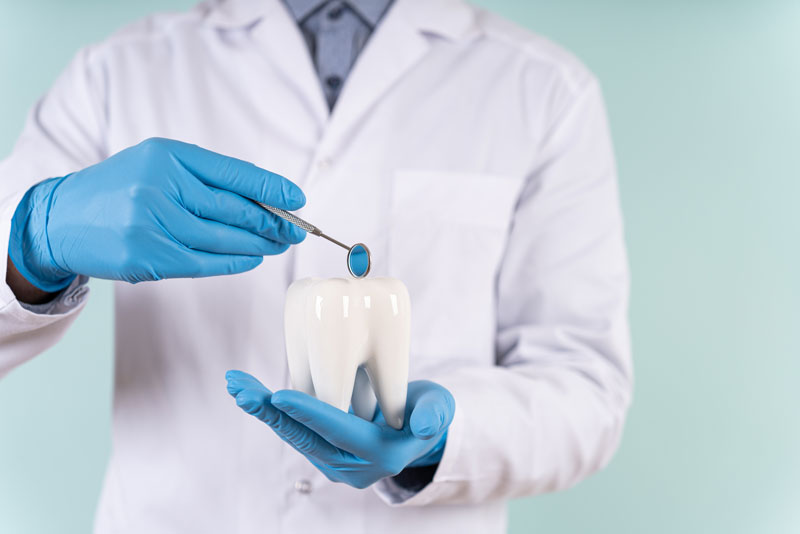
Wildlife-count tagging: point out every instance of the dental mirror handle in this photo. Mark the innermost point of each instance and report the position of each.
(297, 221)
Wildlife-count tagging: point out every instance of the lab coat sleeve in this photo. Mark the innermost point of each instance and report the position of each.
(63, 133)
(551, 411)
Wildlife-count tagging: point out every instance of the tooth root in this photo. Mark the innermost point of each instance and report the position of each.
(390, 391)
(332, 383)
(363, 400)
(336, 343)
(296, 333)
(300, 374)
(388, 369)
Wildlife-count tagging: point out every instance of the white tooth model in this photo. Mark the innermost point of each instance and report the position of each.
(343, 335)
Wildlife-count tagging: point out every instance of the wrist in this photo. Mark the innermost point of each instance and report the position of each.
(28, 245)
(23, 290)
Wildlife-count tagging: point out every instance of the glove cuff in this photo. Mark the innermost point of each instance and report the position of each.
(28, 245)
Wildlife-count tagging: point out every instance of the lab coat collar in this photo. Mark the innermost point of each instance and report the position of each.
(452, 19)
(401, 40)
(300, 9)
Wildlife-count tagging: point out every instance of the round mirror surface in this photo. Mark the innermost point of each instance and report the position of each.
(358, 260)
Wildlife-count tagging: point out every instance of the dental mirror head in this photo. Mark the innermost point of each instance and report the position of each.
(358, 260)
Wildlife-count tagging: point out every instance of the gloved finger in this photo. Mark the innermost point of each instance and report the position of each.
(198, 264)
(212, 236)
(378, 417)
(301, 438)
(238, 176)
(252, 397)
(343, 430)
(431, 409)
(255, 401)
(239, 380)
(235, 210)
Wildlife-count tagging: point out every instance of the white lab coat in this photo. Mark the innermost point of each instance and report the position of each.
(471, 156)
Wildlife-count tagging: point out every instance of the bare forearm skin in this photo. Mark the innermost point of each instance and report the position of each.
(24, 290)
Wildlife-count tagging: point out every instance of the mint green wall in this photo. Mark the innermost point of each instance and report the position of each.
(704, 98)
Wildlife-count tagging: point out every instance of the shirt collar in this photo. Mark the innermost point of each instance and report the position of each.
(300, 9)
(449, 18)
(370, 10)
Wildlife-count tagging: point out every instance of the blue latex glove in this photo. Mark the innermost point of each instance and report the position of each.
(343, 446)
(160, 209)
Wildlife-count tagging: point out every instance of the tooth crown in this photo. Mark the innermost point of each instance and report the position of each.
(343, 335)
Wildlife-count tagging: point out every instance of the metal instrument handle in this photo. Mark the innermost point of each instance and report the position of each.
(294, 219)
(297, 221)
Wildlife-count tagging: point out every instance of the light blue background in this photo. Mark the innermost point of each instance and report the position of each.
(704, 99)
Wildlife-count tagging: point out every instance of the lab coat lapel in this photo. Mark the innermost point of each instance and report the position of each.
(397, 44)
(283, 45)
(391, 51)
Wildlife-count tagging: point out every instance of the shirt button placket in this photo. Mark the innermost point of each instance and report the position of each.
(333, 50)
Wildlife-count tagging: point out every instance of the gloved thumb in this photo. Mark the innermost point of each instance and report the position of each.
(432, 413)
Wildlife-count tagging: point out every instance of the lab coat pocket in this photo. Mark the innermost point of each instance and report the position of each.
(446, 243)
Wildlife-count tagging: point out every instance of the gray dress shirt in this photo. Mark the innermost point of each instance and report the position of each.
(336, 32)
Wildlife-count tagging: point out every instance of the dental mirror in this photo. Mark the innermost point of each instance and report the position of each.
(358, 260)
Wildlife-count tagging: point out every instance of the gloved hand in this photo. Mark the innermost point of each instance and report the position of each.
(160, 209)
(343, 446)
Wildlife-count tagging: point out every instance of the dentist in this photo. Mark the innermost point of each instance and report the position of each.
(472, 156)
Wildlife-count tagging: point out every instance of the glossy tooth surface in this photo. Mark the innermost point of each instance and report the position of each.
(347, 342)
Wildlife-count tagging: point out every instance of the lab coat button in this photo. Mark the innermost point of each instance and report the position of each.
(324, 163)
(303, 486)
